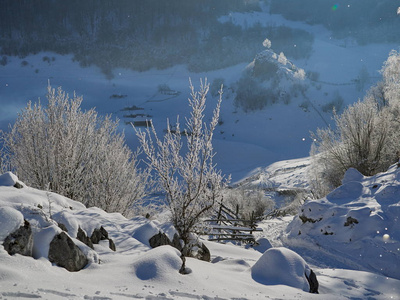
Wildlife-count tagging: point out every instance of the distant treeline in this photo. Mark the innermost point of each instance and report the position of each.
(140, 34)
(368, 21)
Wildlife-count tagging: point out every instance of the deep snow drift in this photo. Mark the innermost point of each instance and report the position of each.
(357, 225)
(136, 271)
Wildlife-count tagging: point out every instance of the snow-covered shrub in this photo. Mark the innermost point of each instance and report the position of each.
(366, 136)
(74, 153)
(359, 141)
(190, 180)
(249, 203)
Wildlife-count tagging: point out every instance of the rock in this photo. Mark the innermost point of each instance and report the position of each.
(197, 250)
(305, 219)
(99, 235)
(111, 245)
(63, 227)
(160, 239)
(18, 185)
(20, 241)
(81, 236)
(350, 221)
(104, 233)
(64, 253)
(203, 253)
(313, 282)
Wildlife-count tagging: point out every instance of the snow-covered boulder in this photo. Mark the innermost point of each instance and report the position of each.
(282, 266)
(10, 179)
(262, 245)
(158, 264)
(29, 224)
(20, 241)
(11, 220)
(64, 253)
(145, 232)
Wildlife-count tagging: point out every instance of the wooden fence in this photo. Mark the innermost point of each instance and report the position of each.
(229, 226)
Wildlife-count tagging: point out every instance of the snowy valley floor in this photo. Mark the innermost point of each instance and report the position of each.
(134, 271)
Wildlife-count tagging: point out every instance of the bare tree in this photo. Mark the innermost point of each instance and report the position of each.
(74, 153)
(189, 178)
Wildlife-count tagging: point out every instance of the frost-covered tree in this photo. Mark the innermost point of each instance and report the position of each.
(282, 59)
(75, 153)
(188, 176)
(359, 141)
(366, 134)
(267, 43)
(250, 203)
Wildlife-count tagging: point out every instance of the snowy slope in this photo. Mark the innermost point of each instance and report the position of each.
(138, 272)
(355, 226)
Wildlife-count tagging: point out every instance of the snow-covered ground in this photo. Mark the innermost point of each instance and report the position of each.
(248, 145)
(135, 271)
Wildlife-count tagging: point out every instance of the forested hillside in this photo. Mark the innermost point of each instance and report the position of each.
(140, 34)
(368, 21)
(135, 34)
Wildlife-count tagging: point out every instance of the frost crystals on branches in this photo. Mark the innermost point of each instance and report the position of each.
(188, 177)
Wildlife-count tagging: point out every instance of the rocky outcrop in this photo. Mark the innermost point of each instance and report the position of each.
(305, 219)
(64, 253)
(197, 250)
(100, 234)
(111, 245)
(81, 236)
(18, 185)
(350, 221)
(20, 241)
(160, 239)
(62, 227)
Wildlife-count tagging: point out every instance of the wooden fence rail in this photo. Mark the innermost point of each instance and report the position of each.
(229, 226)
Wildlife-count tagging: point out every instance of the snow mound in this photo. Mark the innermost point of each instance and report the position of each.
(42, 240)
(357, 224)
(11, 220)
(352, 175)
(263, 244)
(8, 179)
(145, 232)
(346, 192)
(281, 266)
(158, 264)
